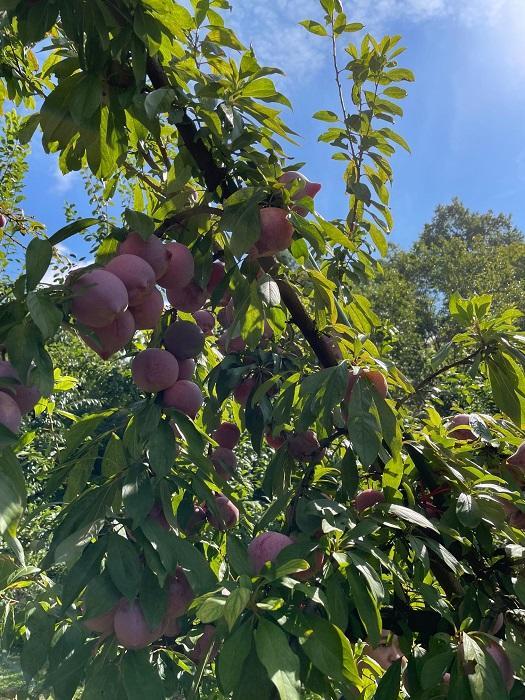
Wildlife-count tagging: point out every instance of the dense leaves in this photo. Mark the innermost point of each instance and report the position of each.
(348, 544)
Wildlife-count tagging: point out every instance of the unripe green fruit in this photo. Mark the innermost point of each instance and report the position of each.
(266, 547)
(228, 516)
(181, 266)
(154, 370)
(135, 273)
(153, 251)
(131, 628)
(108, 340)
(98, 298)
(184, 339)
(189, 299)
(184, 396)
(148, 313)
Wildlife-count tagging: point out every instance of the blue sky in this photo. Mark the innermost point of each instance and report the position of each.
(465, 116)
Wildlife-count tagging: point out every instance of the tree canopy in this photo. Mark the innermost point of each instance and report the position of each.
(272, 509)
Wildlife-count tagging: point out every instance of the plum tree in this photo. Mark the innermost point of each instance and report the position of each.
(184, 396)
(305, 447)
(98, 298)
(101, 624)
(204, 645)
(217, 275)
(125, 507)
(152, 250)
(148, 312)
(265, 548)
(243, 391)
(227, 344)
(181, 266)
(136, 274)
(227, 435)
(154, 370)
(184, 339)
(227, 515)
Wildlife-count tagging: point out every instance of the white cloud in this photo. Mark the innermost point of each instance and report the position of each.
(63, 183)
(272, 26)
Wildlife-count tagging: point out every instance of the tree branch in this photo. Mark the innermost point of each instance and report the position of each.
(428, 380)
(215, 177)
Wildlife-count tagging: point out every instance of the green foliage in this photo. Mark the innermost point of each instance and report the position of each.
(165, 111)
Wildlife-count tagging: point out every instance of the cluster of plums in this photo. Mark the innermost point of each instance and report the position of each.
(16, 397)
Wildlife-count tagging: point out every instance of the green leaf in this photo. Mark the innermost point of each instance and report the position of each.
(235, 604)
(162, 449)
(363, 423)
(46, 315)
(100, 596)
(507, 382)
(232, 656)
(153, 598)
(468, 511)
(328, 649)
(390, 684)
(82, 572)
(241, 218)
(114, 460)
(366, 604)
(159, 101)
(410, 516)
(211, 609)
(75, 227)
(314, 27)
(38, 257)
(281, 664)
(140, 223)
(41, 627)
(326, 115)
(140, 677)
(124, 565)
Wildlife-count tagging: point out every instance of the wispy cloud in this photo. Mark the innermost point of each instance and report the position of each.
(63, 183)
(272, 27)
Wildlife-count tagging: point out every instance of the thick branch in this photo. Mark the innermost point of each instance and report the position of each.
(214, 175)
